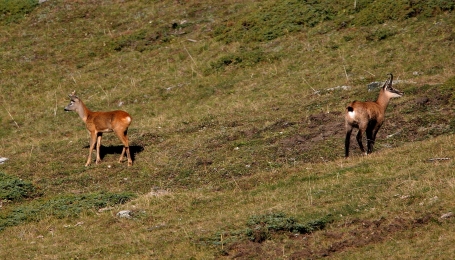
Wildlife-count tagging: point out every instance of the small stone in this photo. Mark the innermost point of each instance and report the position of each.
(156, 227)
(124, 214)
(157, 192)
(105, 209)
(374, 85)
(3, 159)
(422, 100)
(447, 215)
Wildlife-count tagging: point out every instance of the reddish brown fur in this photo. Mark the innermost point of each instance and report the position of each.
(98, 123)
(368, 116)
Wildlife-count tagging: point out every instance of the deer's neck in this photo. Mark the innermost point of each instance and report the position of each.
(83, 111)
(383, 100)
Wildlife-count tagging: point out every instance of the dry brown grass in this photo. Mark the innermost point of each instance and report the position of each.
(226, 142)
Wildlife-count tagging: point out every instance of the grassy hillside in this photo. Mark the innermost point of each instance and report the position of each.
(237, 130)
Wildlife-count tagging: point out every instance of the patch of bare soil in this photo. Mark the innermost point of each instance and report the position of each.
(318, 128)
(347, 236)
(427, 115)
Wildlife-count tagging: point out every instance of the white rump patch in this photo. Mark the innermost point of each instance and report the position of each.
(351, 114)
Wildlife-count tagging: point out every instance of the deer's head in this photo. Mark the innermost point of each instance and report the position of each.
(74, 103)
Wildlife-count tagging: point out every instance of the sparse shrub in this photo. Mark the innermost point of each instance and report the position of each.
(348, 38)
(71, 205)
(380, 34)
(434, 70)
(140, 40)
(246, 58)
(14, 10)
(262, 226)
(275, 19)
(14, 189)
(61, 207)
(450, 82)
(430, 8)
(378, 12)
(449, 87)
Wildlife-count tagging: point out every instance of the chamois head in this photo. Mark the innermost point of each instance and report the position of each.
(389, 90)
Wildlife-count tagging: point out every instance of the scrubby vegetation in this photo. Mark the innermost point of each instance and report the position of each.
(14, 189)
(67, 206)
(14, 10)
(237, 131)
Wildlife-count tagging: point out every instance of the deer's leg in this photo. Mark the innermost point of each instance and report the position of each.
(121, 155)
(347, 141)
(122, 135)
(92, 145)
(122, 138)
(98, 145)
(130, 161)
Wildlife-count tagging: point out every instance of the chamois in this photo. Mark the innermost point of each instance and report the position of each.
(98, 123)
(368, 116)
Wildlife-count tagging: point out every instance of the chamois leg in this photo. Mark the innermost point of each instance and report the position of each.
(92, 145)
(347, 141)
(373, 138)
(122, 135)
(359, 140)
(370, 141)
(98, 146)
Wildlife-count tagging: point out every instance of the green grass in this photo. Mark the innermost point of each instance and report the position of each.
(66, 206)
(237, 131)
(14, 189)
(12, 11)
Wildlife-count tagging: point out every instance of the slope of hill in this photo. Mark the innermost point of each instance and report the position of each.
(237, 130)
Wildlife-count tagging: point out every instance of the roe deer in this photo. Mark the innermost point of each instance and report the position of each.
(369, 116)
(98, 123)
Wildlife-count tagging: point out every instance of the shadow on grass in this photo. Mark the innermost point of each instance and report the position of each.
(117, 149)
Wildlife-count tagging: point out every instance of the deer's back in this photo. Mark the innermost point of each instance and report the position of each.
(107, 121)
